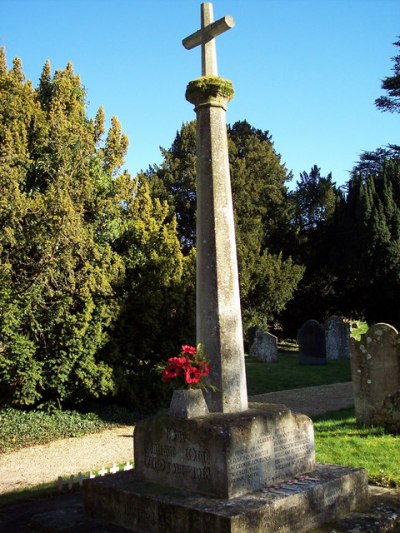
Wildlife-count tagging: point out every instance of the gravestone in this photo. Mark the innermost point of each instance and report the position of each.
(337, 338)
(311, 341)
(375, 369)
(264, 347)
(251, 335)
(240, 467)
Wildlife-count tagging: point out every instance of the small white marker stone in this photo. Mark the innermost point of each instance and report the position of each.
(103, 471)
(114, 469)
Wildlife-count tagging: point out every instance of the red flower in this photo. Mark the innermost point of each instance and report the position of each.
(171, 372)
(179, 361)
(191, 350)
(204, 368)
(192, 375)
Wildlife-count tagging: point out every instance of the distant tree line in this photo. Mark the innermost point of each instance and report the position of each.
(97, 268)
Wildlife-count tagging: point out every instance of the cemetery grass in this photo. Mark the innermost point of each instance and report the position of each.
(288, 374)
(339, 440)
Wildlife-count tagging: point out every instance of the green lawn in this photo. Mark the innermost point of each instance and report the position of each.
(287, 373)
(339, 440)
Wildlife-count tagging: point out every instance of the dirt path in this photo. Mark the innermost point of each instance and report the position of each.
(44, 463)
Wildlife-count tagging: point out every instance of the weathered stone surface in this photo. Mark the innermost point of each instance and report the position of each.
(391, 412)
(311, 340)
(375, 369)
(265, 347)
(381, 516)
(188, 403)
(225, 455)
(337, 338)
(298, 506)
(218, 313)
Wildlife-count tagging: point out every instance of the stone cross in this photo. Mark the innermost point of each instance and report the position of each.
(218, 314)
(206, 38)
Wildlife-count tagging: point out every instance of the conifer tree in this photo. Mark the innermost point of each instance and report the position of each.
(86, 256)
(268, 276)
(58, 273)
(391, 84)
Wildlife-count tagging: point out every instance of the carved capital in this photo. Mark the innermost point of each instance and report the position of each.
(209, 91)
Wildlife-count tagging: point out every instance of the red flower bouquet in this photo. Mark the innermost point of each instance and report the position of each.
(188, 370)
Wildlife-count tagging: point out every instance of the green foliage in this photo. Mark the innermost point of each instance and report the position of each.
(157, 314)
(57, 266)
(314, 202)
(391, 84)
(288, 374)
(339, 440)
(93, 286)
(174, 182)
(366, 254)
(19, 429)
(268, 277)
(358, 328)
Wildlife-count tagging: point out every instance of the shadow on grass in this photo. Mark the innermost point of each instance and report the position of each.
(288, 374)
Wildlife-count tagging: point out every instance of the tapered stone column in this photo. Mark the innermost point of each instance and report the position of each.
(219, 323)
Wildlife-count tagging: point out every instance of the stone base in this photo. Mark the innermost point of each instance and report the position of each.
(293, 507)
(225, 455)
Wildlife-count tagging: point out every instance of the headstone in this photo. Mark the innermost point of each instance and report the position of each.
(251, 335)
(375, 369)
(337, 338)
(311, 340)
(265, 347)
(195, 473)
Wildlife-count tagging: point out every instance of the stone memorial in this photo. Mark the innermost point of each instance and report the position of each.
(238, 467)
(311, 340)
(375, 369)
(264, 347)
(337, 338)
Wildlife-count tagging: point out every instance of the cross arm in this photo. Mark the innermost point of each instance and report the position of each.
(211, 31)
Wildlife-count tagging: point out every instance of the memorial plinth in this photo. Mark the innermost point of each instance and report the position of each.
(298, 506)
(225, 456)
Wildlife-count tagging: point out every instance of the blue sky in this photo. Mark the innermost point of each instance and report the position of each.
(306, 70)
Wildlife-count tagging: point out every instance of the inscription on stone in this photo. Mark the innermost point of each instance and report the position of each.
(289, 447)
(174, 435)
(229, 455)
(252, 462)
(179, 460)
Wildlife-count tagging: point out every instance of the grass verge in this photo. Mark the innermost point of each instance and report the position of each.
(287, 374)
(339, 440)
(19, 429)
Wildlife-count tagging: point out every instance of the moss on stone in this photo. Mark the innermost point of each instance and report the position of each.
(209, 89)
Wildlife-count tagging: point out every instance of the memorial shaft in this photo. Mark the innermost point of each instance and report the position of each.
(218, 320)
(218, 313)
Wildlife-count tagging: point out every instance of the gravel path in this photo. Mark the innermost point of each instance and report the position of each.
(44, 463)
(312, 401)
